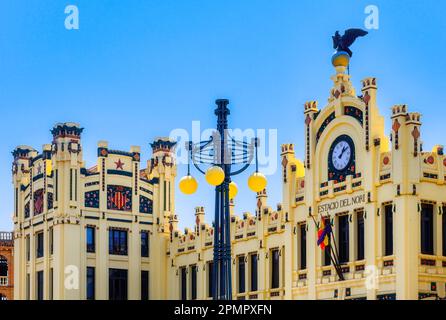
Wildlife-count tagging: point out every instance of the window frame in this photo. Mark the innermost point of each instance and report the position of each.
(302, 229)
(118, 244)
(91, 281)
(145, 285)
(117, 282)
(91, 247)
(343, 231)
(254, 272)
(275, 268)
(145, 249)
(183, 283)
(388, 233)
(40, 245)
(427, 229)
(360, 235)
(40, 291)
(241, 274)
(193, 282)
(210, 275)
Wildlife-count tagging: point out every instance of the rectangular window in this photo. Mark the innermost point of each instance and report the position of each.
(117, 284)
(71, 184)
(210, 268)
(91, 283)
(360, 235)
(303, 246)
(241, 274)
(51, 235)
(165, 196)
(51, 284)
(28, 247)
(144, 285)
(28, 287)
(388, 230)
(117, 242)
(427, 228)
(145, 244)
(183, 284)
(56, 185)
(39, 285)
(327, 250)
(91, 239)
(193, 282)
(275, 269)
(39, 245)
(254, 272)
(16, 205)
(343, 234)
(443, 217)
(75, 185)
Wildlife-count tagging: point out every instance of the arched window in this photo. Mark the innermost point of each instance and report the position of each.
(3, 267)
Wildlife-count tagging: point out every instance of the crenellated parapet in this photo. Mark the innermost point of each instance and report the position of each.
(57, 182)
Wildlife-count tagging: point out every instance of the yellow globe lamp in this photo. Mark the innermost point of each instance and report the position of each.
(188, 184)
(215, 176)
(257, 182)
(233, 190)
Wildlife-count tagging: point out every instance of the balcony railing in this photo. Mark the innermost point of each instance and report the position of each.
(3, 281)
(6, 236)
(6, 239)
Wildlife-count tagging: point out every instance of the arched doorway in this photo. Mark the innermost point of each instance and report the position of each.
(2, 297)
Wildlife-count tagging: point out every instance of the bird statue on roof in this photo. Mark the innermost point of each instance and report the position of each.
(343, 43)
(342, 55)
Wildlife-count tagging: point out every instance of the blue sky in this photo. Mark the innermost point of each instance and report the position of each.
(136, 70)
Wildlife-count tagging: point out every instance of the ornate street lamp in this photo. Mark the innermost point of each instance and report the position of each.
(220, 158)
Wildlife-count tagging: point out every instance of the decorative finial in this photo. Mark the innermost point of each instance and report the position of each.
(342, 55)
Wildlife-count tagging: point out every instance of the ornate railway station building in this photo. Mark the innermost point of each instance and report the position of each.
(111, 231)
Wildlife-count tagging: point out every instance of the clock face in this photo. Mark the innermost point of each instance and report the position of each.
(341, 158)
(341, 155)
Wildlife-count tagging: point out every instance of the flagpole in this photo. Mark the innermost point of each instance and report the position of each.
(335, 246)
(336, 253)
(337, 265)
(335, 262)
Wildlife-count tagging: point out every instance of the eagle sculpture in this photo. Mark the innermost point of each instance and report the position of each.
(343, 43)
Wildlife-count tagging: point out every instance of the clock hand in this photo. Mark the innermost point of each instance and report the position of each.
(342, 152)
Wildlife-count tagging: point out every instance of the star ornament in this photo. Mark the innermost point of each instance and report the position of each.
(119, 164)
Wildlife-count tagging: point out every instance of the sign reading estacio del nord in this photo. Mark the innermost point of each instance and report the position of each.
(346, 203)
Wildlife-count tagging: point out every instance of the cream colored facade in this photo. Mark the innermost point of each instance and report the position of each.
(391, 190)
(65, 214)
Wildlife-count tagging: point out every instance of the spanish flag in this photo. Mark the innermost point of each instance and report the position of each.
(323, 233)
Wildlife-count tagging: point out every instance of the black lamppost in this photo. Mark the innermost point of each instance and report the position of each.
(225, 157)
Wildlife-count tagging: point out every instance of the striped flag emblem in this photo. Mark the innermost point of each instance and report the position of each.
(120, 199)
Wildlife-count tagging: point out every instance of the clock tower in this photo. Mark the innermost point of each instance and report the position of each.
(343, 144)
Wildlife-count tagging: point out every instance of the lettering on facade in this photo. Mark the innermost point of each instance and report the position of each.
(343, 203)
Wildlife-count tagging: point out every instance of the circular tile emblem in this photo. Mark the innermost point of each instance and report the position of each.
(386, 160)
(430, 160)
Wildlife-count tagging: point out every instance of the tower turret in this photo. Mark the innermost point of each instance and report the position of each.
(66, 163)
(161, 171)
